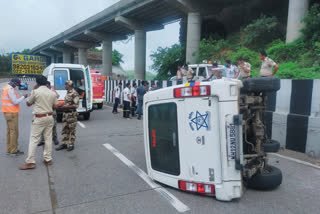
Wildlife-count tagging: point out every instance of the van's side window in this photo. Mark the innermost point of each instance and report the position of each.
(60, 77)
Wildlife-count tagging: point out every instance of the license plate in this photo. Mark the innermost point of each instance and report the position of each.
(231, 139)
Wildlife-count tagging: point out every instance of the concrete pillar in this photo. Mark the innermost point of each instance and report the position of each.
(107, 57)
(297, 10)
(52, 59)
(193, 36)
(140, 55)
(82, 56)
(66, 54)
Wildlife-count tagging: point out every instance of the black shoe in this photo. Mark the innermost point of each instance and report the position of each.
(16, 153)
(55, 141)
(61, 147)
(70, 148)
(139, 118)
(41, 143)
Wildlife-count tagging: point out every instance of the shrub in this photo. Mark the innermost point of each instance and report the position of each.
(282, 52)
(291, 70)
(261, 32)
(248, 55)
(211, 50)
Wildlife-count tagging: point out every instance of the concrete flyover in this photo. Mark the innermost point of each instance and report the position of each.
(136, 17)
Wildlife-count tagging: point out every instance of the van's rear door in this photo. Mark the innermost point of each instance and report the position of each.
(60, 76)
(89, 95)
(199, 139)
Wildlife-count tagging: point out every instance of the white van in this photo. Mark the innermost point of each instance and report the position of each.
(207, 138)
(201, 71)
(59, 73)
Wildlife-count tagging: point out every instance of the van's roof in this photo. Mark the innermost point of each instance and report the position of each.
(66, 65)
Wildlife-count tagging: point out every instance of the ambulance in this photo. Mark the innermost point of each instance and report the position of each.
(209, 138)
(98, 88)
(58, 73)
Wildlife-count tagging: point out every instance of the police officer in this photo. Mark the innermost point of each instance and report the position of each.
(44, 102)
(54, 129)
(70, 114)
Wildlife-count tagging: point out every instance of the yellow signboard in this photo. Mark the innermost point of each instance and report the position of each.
(27, 64)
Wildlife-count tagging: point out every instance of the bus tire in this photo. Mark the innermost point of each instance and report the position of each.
(271, 146)
(99, 105)
(260, 84)
(86, 116)
(270, 179)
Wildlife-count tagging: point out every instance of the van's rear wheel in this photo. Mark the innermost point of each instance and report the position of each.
(269, 179)
(271, 146)
(99, 105)
(260, 84)
(59, 117)
(86, 115)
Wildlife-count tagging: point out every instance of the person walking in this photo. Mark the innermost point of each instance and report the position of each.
(244, 69)
(10, 107)
(267, 65)
(43, 101)
(190, 74)
(54, 129)
(70, 117)
(141, 90)
(133, 99)
(116, 95)
(126, 101)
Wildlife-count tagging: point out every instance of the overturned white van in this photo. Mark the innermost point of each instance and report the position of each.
(58, 74)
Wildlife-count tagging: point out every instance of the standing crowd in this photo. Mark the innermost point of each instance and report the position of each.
(132, 98)
(44, 100)
(243, 70)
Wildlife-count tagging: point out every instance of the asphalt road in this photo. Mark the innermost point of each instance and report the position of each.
(91, 179)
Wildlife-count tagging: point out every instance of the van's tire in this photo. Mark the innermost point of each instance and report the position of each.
(99, 105)
(260, 84)
(86, 116)
(270, 179)
(59, 117)
(271, 146)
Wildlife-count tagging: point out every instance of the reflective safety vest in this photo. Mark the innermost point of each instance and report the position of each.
(6, 104)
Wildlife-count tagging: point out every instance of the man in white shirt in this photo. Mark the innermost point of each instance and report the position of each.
(116, 95)
(133, 99)
(267, 65)
(231, 70)
(10, 107)
(126, 101)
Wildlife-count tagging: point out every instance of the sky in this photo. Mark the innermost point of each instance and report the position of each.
(25, 24)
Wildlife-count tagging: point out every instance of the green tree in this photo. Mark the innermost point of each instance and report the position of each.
(166, 60)
(116, 57)
(261, 32)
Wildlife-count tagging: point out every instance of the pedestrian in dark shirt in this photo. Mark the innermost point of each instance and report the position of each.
(141, 90)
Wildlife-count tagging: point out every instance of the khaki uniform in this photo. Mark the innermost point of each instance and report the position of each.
(70, 118)
(266, 67)
(43, 100)
(190, 74)
(246, 66)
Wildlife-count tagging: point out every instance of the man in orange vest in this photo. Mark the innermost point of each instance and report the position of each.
(10, 107)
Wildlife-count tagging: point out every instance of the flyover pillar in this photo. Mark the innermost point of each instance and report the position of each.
(297, 10)
(82, 56)
(66, 54)
(107, 57)
(193, 36)
(140, 54)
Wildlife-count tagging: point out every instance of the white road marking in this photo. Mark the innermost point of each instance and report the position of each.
(81, 124)
(175, 202)
(296, 160)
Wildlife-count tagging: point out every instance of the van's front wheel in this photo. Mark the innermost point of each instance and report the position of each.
(99, 105)
(269, 179)
(86, 116)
